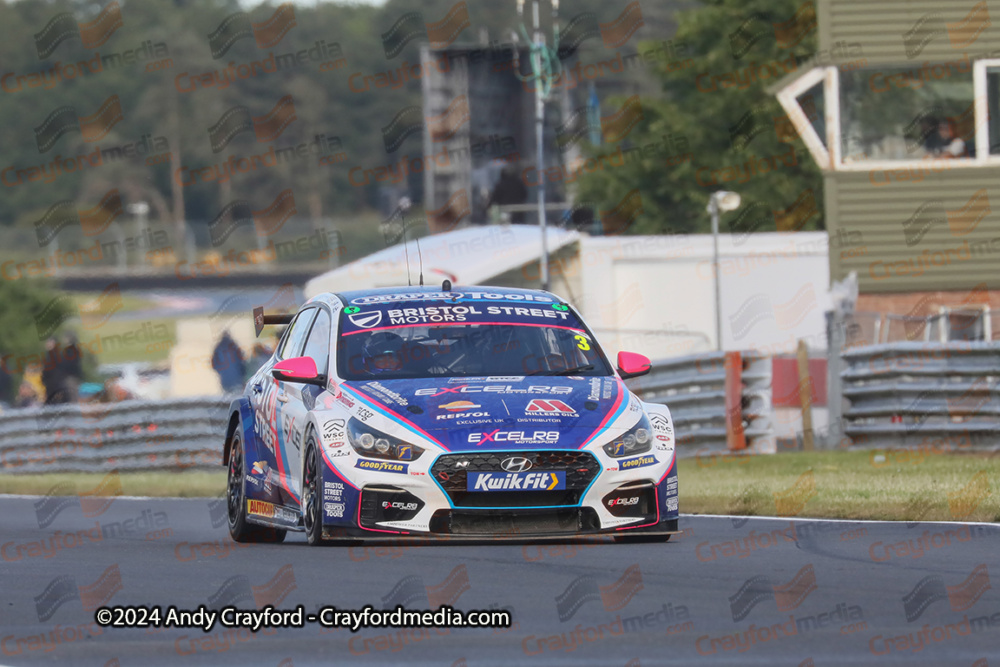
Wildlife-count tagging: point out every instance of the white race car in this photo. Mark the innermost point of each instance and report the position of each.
(473, 412)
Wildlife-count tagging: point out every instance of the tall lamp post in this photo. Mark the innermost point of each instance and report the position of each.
(720, 201)
(545, 66)
(140, 210)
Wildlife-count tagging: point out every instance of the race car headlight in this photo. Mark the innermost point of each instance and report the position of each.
(636, 440)
(369, 442)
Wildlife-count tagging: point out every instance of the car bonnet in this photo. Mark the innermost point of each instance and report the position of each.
(502, 413)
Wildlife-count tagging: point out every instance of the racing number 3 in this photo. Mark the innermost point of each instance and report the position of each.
(581, 342)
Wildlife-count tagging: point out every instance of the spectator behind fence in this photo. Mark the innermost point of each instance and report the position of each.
(72, 363)
(112, 392)
(227, 361)
(26, 395)
(6, 385)
(54, 374)
(33, 376)
(509, 190)
(258, 357)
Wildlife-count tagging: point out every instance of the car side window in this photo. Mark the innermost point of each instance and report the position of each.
(318, 342)
(297, 330)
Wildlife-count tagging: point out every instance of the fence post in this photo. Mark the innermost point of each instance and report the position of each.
(735, 437)
(805, 396)
(835, 341)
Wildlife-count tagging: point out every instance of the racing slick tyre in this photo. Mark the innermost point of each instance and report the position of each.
(639, 539)
(240, 529)
(312, 495)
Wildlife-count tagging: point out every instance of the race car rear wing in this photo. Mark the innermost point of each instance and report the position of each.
(260, 320)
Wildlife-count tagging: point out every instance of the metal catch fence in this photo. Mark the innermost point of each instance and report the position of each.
(176, 434)
(909, 394)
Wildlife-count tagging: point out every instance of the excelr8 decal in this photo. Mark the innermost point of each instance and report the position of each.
(514, 437)
(493, 389)
(399, 505)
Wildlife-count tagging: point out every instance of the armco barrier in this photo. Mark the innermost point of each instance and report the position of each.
(907, 394)
(132, 435)
(718, 401)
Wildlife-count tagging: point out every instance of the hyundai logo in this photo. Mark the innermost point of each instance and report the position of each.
(516, 464)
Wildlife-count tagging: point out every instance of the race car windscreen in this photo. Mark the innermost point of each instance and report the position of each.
(465, 340)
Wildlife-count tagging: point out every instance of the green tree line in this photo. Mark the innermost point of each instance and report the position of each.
(177, 91)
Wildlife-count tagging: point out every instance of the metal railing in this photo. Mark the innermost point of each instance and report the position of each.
(176, 434)
(909, 394)
(966, 323)
(695, 388)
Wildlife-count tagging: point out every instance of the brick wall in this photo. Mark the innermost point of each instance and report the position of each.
(926, 303)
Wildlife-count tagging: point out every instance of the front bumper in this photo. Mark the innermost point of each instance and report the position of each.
(504, 532)
(434, 499)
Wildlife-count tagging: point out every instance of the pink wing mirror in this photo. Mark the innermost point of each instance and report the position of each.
(298, 369)
(632, 365)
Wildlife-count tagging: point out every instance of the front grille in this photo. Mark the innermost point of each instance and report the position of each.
(451, 472)
(491, 523)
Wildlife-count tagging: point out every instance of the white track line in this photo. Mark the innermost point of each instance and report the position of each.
(707, 516)
(806, 518)
(35, 497)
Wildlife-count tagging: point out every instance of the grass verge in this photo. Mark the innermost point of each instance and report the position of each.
(892, 485)
(185, 484)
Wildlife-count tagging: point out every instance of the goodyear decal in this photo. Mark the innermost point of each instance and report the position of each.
(382, 466)
(637, 462)
(260, 508)
(516, 481)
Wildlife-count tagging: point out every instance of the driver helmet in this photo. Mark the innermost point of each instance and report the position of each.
(383, 352)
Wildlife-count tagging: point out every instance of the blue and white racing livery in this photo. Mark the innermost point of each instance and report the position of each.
(474, 412)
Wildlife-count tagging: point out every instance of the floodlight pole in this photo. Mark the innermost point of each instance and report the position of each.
(713, 208)
(545, 67)
(536, 57)
(721, 200)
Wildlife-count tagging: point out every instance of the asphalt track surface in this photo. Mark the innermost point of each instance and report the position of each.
(725, 591)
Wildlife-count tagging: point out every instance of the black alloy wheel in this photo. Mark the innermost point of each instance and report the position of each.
(240, 529)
